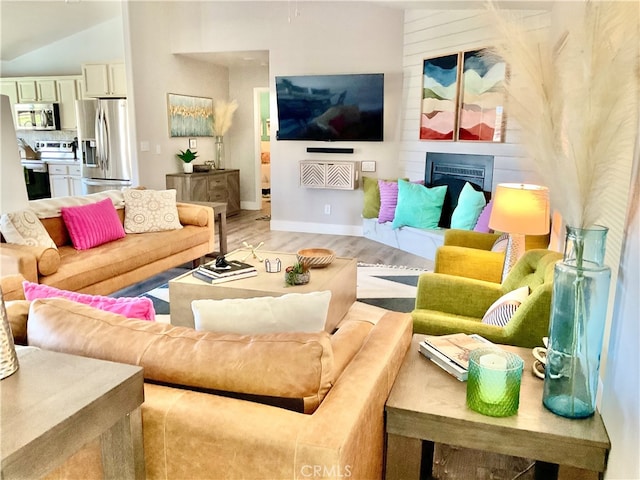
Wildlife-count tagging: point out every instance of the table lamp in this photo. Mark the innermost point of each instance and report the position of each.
(519, 210)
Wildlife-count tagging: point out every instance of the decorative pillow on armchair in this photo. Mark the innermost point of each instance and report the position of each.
(501, 311)
(150, 211)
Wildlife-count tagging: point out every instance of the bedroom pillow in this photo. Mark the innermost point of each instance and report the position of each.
(92, 224)
(150, 211)
(501, 311)
(470, 205)
(418, 206)
(482, 225)
(130, 307)
(388, 200)
(293, 312)
(25, 228)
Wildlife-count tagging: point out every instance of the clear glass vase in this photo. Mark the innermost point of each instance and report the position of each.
(578, 313)
(219, 151)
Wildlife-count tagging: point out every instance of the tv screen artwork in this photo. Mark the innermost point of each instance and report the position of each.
(330, 107)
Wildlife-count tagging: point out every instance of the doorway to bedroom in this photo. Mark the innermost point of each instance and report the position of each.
(264, 137)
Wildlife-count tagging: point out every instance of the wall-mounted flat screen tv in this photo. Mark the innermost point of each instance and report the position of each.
(331, 108)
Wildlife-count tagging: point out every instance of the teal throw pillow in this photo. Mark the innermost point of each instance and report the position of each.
(418, 206)
(470, 205)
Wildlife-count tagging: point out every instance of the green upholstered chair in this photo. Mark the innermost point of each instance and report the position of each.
(466, 253)
(449, 304)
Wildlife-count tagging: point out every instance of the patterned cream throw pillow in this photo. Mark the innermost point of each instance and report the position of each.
(24, 228)
(150, 211)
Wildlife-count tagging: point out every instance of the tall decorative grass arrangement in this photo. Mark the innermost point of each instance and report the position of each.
(576, 99)
(223, 111)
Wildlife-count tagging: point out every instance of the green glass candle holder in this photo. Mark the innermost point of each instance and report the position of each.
(493, 382)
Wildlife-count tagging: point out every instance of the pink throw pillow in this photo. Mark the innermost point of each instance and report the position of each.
(388, 200)
(482, 224)
(93, 224)
(130, 307)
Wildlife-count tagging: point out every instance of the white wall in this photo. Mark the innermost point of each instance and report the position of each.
(155, 72)
(621, 393)
(325, 38)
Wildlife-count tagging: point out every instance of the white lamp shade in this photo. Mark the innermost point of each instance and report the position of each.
(13, 189)
(520, 209)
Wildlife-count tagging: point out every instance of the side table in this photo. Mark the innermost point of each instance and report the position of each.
(220, 215)
(427, 405)
(55, 403)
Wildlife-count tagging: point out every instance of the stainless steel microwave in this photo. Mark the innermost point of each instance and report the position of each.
(37, 116)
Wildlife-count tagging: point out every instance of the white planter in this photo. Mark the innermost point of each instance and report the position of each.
(188, 167)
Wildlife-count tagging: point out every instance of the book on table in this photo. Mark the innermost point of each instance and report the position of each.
(233, 267)
(205, 276)
(451, 352)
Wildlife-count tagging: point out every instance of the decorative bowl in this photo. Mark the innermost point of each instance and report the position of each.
(201, 167)
(316, 257)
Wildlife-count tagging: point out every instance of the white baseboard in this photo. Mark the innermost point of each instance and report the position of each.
(245, 205)
(325, 228)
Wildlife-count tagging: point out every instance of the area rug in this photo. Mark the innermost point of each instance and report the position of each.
(387, 286)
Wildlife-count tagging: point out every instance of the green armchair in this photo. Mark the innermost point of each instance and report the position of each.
(449, 304)
(466, 253)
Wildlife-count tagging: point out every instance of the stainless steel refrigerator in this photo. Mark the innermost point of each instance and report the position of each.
(103, 137)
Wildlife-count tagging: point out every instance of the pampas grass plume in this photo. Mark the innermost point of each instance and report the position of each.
(223, 111)
(575, 99)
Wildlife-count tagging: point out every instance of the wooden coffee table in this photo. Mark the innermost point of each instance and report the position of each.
(339, 277)
(427, 405)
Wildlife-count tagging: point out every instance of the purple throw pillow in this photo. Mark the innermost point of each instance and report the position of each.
(482, 225)
(388, 200)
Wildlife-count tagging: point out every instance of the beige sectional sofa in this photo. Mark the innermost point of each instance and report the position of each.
(210, 398)
(111, 266)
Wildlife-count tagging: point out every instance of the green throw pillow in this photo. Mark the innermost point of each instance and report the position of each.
(470, 205)
(418, 206)
(371, 205)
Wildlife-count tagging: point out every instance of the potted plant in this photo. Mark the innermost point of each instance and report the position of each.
(297, 274)
(187, 157)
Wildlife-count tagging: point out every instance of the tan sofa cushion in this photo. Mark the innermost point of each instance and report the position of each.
(297, 367)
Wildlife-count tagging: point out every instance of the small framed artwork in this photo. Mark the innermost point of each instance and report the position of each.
(482, 97)
(193, 143)
(190, 116)
(439, 97)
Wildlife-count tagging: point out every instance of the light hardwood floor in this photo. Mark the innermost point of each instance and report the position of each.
(249, 226)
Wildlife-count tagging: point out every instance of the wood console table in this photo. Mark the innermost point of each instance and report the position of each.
(56, 403)
(427, 405)
(212, 186)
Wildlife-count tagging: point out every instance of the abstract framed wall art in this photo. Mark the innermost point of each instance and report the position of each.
(439, 97)
(190, 116)
(482, 97)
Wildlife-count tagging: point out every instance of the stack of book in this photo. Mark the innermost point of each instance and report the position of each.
(234, 270)
(451, 352)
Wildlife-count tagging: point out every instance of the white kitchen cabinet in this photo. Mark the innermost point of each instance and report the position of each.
(104, 80)
(37, 90)
(65, 180)
(68, 92)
